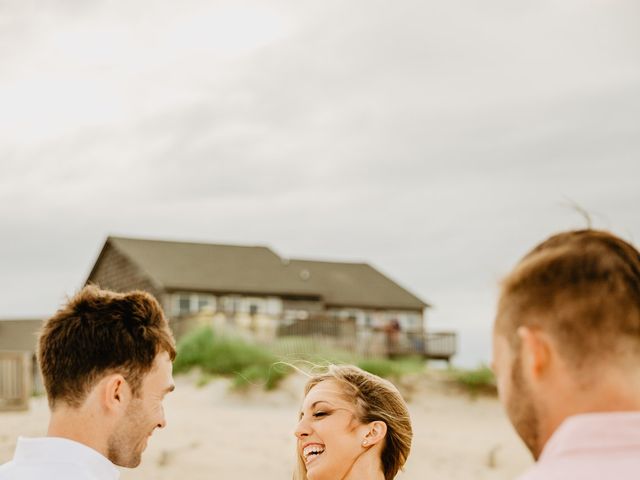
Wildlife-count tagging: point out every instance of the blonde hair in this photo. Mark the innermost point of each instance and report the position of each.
(375, 399)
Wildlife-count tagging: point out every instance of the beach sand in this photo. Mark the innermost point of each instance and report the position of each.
(215, 433)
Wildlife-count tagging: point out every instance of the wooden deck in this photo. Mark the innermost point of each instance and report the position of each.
(440, 345)
(375, 342)
(320, 333)
(430, 346)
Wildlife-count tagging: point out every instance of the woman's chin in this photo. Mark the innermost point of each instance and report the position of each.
(315, 470)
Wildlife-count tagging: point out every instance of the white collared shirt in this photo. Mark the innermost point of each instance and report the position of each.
(57, 458)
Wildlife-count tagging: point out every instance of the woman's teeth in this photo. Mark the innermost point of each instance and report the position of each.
(312, 451)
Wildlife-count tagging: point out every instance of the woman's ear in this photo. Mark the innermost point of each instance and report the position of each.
(375, 433)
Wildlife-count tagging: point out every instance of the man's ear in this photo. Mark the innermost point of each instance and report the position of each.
(376, 432)
(116, 392)
(536, 350)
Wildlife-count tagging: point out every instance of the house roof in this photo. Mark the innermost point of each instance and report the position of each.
(355, 284)
(19, 334)
(187, 266)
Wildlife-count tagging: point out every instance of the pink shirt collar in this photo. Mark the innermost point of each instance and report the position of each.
(594, 431)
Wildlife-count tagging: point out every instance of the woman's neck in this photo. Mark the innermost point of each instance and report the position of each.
(365, 468)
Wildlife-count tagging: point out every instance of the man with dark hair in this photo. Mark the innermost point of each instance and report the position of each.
(106, 361)
(567, 356)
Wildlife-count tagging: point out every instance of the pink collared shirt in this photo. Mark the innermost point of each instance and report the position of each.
(592, 446)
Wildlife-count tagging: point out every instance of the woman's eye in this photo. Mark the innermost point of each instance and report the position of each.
(320, 414)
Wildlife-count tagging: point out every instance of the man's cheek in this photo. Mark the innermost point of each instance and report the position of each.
(503, 385)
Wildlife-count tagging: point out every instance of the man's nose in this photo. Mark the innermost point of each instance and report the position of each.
(162, 422)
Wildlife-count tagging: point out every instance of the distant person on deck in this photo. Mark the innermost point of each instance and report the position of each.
(392, 330)
(106, 363)
(567, 356)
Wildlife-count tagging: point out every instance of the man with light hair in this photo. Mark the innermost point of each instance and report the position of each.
(106, 361)
(567, 356)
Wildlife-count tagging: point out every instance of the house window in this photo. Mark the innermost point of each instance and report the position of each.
(230, 304)
(254, 305)
(237, 304)
(223, 304)
(184, 304)
(274, 306)
(414, 320)
(205, 302)
(189, 303)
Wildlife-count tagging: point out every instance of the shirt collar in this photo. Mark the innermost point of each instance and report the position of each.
(594, 431)
(56, 449)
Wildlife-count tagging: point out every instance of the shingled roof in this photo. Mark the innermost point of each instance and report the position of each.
(185, 266)
(355, 284)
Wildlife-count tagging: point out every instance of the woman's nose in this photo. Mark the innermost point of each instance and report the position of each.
(302, 430)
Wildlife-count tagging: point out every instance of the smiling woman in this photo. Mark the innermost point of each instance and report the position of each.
(352, 425)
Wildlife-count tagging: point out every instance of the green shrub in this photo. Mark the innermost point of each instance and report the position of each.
(250, 364)
(381, 367)
(479, 380)
(270, 376)
(227, 356)
(308, 349)
(392, 368)
(192, 349)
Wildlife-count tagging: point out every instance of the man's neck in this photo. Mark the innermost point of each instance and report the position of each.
(79, 425)
(612, 393)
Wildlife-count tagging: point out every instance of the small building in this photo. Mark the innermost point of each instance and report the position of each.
(19, 373)
(19, 334)
(253, 289)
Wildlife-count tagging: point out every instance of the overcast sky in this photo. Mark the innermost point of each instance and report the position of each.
(438, 141)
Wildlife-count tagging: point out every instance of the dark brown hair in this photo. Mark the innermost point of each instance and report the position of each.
(583, 287)
(99, 332)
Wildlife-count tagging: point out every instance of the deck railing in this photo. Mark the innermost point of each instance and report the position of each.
(320, 334)
(368, 342)
(441, 345)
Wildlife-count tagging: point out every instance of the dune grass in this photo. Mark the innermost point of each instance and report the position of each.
(309, 350)
(475, 381)
(228, 356)
(392, 369)
(250, 364)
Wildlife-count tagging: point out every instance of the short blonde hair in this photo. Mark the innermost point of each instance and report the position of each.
(375, 399)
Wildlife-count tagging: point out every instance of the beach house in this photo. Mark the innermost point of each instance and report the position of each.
(253, 289)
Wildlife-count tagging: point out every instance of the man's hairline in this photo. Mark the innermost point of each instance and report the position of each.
(119, 370)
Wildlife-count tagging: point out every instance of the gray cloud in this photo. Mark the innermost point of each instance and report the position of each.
(437, 140)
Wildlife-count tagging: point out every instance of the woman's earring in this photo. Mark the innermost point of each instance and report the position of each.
(364, 443)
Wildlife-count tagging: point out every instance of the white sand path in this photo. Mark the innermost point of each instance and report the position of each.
(215, 434)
